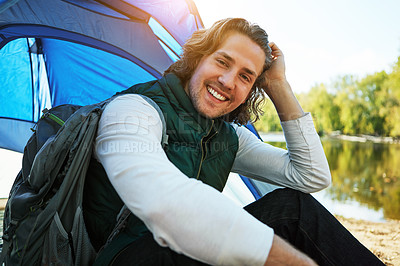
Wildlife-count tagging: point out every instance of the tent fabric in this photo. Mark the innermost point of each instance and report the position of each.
(13, 128)
(82, 51)
(11, 32)
(181, 23)
(15, 72)
(4, 4)
(29, 84)
(134, 37)
(87, 81)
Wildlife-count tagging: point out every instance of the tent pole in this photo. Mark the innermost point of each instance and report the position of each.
(32, 81)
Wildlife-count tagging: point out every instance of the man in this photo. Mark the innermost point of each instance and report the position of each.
(179, 215)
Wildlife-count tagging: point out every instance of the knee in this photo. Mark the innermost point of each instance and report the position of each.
(305, 203)
(283, 199)
(288, 195)
(276, 204)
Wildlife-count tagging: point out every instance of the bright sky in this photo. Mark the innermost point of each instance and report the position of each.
(321, 39)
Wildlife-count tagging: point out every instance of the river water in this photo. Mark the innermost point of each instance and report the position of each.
(1, 225)
(365, 179)
(367, 173)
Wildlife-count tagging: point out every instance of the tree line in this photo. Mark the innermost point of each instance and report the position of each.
(350, 105)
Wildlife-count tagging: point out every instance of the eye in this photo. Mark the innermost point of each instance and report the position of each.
(245, 77)
(222, 62)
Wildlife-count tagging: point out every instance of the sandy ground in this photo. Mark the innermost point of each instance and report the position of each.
(383, 239)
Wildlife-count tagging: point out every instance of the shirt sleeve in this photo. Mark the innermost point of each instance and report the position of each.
(184, 214)
(303, 166)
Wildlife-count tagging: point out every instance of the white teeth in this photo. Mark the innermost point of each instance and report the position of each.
(216, 94)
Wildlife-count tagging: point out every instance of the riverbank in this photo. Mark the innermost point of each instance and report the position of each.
(279, 137)
(364, 138)
(383, 239)
(2, 204)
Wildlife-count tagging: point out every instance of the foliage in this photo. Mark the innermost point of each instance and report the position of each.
(269, 122)
(370, 105)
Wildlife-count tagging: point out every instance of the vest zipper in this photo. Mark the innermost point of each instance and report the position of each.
(202, 145)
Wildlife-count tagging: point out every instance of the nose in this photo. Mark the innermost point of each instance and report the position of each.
(227, 79)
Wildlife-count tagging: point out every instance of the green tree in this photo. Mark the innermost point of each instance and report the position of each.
(390, 101)
(372, 91)
(354, 111)
(322, 107)
(269, 121)
(370, 105)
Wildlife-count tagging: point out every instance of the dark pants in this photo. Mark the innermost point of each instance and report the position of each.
(295, 216)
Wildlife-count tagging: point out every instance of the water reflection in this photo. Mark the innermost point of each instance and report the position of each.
(368, 173)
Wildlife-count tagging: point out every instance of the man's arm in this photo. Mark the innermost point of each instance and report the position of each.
(303, 166)
(282, 253)
(288, 108)
(278, 88)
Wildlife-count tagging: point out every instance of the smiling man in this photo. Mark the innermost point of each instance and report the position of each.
(223, 79)
(179, 216)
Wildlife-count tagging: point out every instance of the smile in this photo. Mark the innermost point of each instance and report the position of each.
(215, 94)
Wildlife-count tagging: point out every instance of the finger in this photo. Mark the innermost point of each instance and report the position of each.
(275, 51)
(273, 46)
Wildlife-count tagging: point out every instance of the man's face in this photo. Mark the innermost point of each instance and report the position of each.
(223, 80)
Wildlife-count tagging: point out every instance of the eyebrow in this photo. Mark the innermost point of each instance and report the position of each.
(229, 58)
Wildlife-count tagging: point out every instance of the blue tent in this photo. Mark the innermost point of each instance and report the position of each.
(54, 52)
(81, 51)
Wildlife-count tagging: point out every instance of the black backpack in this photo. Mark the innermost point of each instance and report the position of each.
(43, 220)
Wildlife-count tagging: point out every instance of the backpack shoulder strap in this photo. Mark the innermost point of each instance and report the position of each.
(164, 139)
